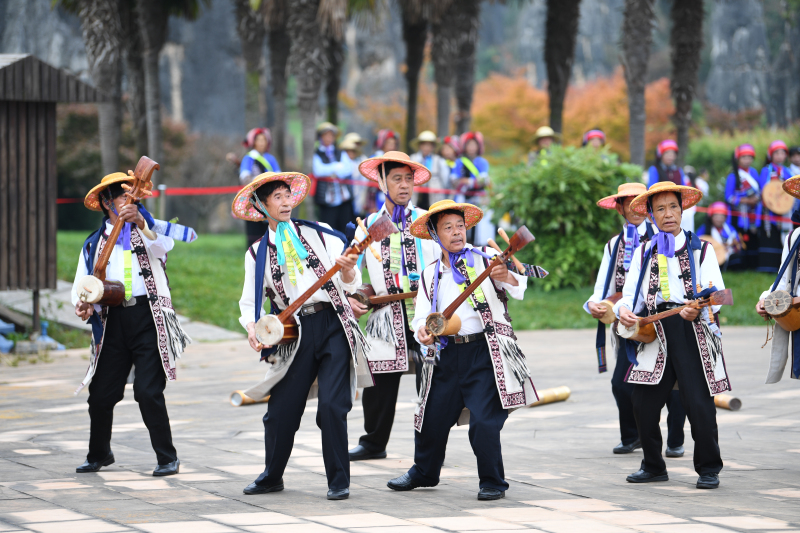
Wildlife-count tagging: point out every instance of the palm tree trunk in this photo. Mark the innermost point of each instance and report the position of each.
(251, 30)
(465, 62)
(310, 66)
(444, 54)
(559, 53)
(134, 69)
(279, 46)
(687, 41)
(153, 19)
(102, 28)
(335, 50)
(637, 37)
(414, 34)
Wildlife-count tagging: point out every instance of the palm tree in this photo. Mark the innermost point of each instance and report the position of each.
(102, 32)
(279, 48)
(134, 73)
(559, 53)
(415, 34)
(335, 51)
(465, 63)
(637, 37)
(687, 41)
(251, 29)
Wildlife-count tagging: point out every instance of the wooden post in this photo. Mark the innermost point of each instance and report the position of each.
(162, 201)
(37, 325)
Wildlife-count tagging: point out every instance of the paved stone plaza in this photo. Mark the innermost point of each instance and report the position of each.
(558, 457)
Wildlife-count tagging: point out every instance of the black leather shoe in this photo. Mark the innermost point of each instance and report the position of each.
(677, 451)
(708, 481)
(252, 488)
(169, 469)
(627, 448)
(87, 467)
(646, 477)
(404, 482)
(360, 453)
(338, 494)
(491, 494)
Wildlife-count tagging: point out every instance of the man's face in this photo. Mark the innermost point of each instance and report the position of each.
(261, 144)
(545, 143)
(400, 182)
(669, 157)
(629, 214)
(745, 161)
(118, 203)
(718, 220)
(667, 212)
(327, 138)
(452, 232)
(279, 204)
(426, 148)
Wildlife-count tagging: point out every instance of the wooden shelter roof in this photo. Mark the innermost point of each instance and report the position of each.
(26, 78)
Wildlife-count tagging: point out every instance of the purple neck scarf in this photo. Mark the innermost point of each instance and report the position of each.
(631, 242)
(665, 242)
(399, 212)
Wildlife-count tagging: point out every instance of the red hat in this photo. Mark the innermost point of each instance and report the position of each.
(383, 136)
(665, 146)
(594, 134)
(777, 145)
(744, 149)
(250, 139)
(470, 136)
(718, 208)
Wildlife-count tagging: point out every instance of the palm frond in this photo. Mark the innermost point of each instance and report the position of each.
(332, 17)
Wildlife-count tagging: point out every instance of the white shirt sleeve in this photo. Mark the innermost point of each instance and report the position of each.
(599, 284)
(159, 247)
(515, 291)
(247, 303)
(782, 284)
(422, 306)
(79, 274)
(629, 289)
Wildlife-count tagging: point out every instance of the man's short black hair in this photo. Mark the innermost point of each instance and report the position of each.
(437, 216)
(270, 187)
(111, 192)
(391, 165)
(676, 193)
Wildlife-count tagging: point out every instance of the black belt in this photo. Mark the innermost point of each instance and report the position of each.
(465, 339)
(310, 309)
(136, 300)
(666, 306)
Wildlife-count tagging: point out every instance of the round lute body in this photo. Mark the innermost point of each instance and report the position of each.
(645, 333)
(776, 199)
(784, 309)
(609, 317)
(92, 290)
(720, 250)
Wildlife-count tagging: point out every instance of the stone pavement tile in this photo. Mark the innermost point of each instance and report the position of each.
(522, 514)
(77, 526)
(191, 526)
(32, 451)
(575, 505)
(70, 498)
(49, 515)
(468, 523)
(292, 528)
(633, 518)
(784, 493)
(359, 520)
(7, 493)
(7, 528)
(683, 528)
(120, 476)
(745, 522)
(253, 519)
(174, 495)
(578, 526)
(194, 478)
(153, 484)
(395, 529)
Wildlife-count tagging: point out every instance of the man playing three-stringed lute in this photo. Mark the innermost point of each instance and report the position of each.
(479, 367)
(280, 267)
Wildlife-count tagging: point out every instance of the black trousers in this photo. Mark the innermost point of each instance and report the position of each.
(380, 404)
(684, 366)
(130, 339)
(323, 354)
(337, 216)
(623, 390)
(464, 377)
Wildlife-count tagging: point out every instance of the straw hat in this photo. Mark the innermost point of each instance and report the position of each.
(623, 191)
(92, 200)
(689, 196)
(242, 207)
(354, 138)
(327, 126)
(792, 186)
(472, 215)
(370, 168)
(350, 144)
(426, 136)
(546, 131)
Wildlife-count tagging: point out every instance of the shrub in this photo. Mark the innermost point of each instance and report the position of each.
(557, 202)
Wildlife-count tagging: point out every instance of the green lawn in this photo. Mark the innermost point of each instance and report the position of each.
(206, 278)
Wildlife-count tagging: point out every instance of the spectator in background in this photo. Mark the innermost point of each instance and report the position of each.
(743, 195)
(698, 181)
(665, 169)
(470, 177)
(542, 140)
(794, 161)
(334, 199)
(716, 226)
(450, 150)
(255, 162)
(594, 138)
(425, 154)
(351, 144)
(773, 230)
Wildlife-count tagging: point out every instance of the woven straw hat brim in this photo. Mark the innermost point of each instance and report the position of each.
(472, 215)
(689, 196)
(610, 202)
(242, 208)
(92, 200)
(419, 140)
(792, 186)
(369, 168)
